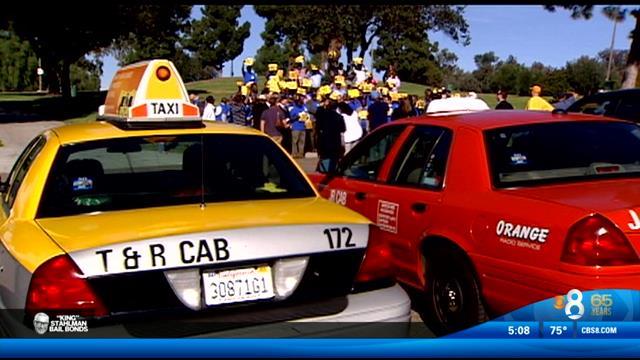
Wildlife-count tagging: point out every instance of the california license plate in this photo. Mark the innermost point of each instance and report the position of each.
(238, 285)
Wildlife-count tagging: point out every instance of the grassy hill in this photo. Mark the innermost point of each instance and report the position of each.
(31, 106)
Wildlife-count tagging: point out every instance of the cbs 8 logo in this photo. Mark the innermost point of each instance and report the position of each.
(574, 298)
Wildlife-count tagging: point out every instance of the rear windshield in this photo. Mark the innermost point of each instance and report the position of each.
(561, 152)
(141, 172)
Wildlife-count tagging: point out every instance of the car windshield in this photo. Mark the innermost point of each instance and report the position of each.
(141, 172)
(563, 151)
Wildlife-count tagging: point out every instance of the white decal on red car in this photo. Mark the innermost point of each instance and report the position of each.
(338, 196)
(387, 216)
(635, 225)
(532, 233)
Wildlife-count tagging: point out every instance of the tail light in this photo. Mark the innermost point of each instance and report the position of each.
(376, 264)
(58, 286)
(595, 241)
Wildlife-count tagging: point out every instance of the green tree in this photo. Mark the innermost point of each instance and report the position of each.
(485, 67)
(618, 64)
(585, 75)
(61, 37)
(218, 37)
(321, 28)
(274, 53)
(556, 82)
(191, 67)
(538, 73)
(412, 56)
(18, 63)
(505, 76)
(446, 61)
(616, 14)
(464, 81)
(277, 48)
(85, 74)
(159, 38)
(525, 80)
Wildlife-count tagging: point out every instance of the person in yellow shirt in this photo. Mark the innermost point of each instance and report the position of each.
(536, 102)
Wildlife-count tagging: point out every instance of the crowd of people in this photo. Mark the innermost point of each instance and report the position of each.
(308, 109)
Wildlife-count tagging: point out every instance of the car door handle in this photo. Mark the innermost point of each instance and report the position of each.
(360, 195)
(419, 207)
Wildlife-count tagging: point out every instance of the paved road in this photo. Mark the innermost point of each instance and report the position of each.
(309, 162)
(15, 136)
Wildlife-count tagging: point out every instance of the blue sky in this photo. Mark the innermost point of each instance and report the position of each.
(527, 32)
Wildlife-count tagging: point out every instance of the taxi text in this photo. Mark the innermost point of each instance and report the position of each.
(190, 253)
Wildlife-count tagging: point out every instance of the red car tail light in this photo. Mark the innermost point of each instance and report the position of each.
(595, 241)
(376, 264)
(58, 286)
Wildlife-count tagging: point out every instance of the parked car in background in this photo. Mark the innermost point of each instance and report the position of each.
(622, 104)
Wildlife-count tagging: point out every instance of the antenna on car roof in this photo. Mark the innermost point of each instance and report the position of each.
(559, 111)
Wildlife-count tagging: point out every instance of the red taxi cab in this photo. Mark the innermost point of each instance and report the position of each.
(482, 213)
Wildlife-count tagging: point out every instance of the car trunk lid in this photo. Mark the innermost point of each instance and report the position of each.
(619, 199)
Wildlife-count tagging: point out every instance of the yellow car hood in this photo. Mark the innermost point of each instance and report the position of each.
(80, 232)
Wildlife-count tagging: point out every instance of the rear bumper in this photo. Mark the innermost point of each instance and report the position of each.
(507, 286)
(378, 313)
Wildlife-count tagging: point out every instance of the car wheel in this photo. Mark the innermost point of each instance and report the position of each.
(452, 299)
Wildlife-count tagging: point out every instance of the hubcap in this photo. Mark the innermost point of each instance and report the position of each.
(448, 299)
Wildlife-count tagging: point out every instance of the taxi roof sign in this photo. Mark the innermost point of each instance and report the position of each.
(149, 92)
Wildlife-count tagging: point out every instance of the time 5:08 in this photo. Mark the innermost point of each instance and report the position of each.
(518, 330)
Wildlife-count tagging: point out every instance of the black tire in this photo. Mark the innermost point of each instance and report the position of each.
(452, 300)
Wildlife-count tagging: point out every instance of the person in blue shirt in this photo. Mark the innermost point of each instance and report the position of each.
(226, 109)
(222, 110)
(298, 128)
(377, 112)
(355, 103)
(248, 74)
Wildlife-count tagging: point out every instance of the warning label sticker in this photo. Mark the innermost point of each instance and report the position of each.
(387, 218)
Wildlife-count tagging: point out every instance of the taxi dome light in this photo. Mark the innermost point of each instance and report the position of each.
(163, 73)
(147, 95)
(595, 241)
(58, 286)
(287, 275)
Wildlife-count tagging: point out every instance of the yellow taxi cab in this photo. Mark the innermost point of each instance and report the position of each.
(153, 223)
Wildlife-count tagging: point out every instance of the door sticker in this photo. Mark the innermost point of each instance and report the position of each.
(338, 196)
(387, 216)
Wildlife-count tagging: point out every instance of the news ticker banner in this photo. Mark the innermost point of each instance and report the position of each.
(589, 314)
(315, 348)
